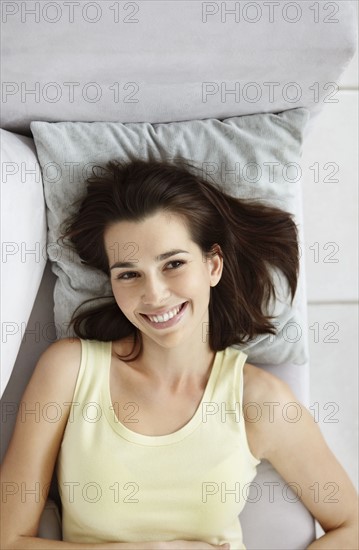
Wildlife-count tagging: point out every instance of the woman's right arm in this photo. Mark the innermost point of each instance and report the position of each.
(29, 463)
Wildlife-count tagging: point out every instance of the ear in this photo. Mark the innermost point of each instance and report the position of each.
(215, 264)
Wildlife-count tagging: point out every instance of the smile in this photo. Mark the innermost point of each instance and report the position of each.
(167, 319)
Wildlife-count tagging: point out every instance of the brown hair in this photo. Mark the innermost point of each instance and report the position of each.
(254, 239)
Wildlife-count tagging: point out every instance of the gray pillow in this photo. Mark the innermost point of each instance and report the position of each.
(256, 156)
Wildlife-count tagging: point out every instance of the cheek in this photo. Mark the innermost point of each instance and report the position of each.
(195, 284)
(124, 299)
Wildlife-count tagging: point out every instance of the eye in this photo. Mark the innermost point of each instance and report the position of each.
(175, 263)
(127, 275)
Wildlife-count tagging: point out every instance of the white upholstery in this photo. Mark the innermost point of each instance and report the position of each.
(23, 240)
(161, 61)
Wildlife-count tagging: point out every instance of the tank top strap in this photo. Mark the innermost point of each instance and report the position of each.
(228, 397)
(95, 358)
(230, 381)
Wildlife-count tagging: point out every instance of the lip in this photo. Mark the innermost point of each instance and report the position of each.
(163, 310)
(171, 322)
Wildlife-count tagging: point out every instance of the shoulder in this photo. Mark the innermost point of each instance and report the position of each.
(267, 403)
(260, 385)
(58, 366)
(64, 352)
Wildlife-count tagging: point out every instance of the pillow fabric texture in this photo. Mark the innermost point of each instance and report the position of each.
(253, 156)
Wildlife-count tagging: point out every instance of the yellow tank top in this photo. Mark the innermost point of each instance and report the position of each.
(118, 485)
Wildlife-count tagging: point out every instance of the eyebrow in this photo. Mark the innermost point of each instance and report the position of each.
(159, 258)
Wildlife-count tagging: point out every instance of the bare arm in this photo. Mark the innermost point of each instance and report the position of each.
(298, 451)
(30, 459)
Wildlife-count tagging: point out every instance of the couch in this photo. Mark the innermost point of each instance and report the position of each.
(157, 62)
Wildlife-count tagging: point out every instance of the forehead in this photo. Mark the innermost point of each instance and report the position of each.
(150, 237)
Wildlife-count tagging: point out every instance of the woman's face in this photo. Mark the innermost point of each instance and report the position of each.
(160, 278)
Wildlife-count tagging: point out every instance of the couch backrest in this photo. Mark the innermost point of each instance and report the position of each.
(161, 61)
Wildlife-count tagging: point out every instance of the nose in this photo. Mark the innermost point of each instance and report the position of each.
(155, 291)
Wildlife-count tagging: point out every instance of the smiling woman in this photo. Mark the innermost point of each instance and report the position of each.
(253, 238)
(172, 281)
(191, 275)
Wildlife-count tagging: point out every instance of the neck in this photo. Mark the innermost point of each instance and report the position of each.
(174, 367)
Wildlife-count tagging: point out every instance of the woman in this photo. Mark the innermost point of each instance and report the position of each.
(153, 428)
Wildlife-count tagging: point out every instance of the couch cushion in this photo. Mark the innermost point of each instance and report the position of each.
(23, 230)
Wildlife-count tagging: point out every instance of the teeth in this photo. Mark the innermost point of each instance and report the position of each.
(165, 317)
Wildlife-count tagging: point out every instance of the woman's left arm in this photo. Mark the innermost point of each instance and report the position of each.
(292, 442)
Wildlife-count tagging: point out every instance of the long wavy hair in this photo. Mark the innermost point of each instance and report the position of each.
(254, 240)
